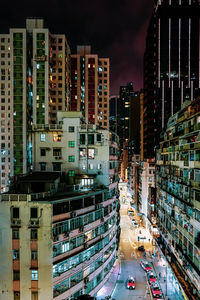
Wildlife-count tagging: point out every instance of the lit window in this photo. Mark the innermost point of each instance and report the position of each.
(71, 144)
(15, 254)
(84, 167)
(91, 153)
(34, 274)
(99, 166)
(42, 137)
(82, 152)
(91, 166)
(71, 173)
(71, 158)
(56, 137)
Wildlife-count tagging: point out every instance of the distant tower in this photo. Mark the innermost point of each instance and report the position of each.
(90, 86)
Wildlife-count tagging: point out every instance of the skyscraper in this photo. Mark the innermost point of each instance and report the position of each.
(171, 65)
(90, 86)
(34, 83)
(126, 94)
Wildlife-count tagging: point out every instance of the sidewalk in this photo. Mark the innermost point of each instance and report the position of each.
(109, 286)
(168, 281)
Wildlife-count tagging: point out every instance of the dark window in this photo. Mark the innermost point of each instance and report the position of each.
(42, 152)
(34, 234)
(34, 212)
(15, 234)
(90, 139)
(71, 128)
(98, 137)
(34, 254)
(15, 212)
(82, 139)
(42, 166)
(57, 152)
(56, 167)
(16, 275)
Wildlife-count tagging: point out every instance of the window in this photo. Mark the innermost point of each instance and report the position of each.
(15, 234)
(34, 274)
(57, 152)
(71, 173)
(34, 295)
(71, 128)
(82, 152)
(15, 212)
(71, 144)
(82, 139)
(91, 153)
(34, 234)
(34, 212)
(42, 137)
(90, 139)
(15, 254)
(99, 166)
(98, 137)
(91, 166)
(16, 275)
(56, 137)
(42, 166)
(56, 167)
(34, 254)
(42, 152)
(71, 158)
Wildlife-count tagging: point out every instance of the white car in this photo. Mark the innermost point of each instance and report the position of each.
(135, 224)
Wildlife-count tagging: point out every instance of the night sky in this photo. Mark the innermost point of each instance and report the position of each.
(115, 29)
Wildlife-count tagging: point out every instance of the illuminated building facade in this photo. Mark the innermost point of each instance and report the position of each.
(34, 83)
(171, 65)
(178, 193)
(90, 88)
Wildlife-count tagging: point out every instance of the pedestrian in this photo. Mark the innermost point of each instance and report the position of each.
(160, 275)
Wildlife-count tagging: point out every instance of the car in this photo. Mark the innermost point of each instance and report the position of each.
(141, 248)
(135, 223)
(156, 290)
(151, 277)
(131, 283)
(145, 265)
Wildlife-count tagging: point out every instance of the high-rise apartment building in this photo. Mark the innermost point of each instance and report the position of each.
(35, 82)
(126, 94)
(61, 235)
(178, 195)
(171, 65)
(114, 111)
(90, 86)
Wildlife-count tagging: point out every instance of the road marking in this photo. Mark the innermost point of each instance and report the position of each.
(133, 245)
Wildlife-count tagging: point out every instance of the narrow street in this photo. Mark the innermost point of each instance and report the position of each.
(130, 258)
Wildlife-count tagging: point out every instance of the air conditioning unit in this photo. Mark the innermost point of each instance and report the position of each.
(73, 214)
(34, 223)
(16, 223)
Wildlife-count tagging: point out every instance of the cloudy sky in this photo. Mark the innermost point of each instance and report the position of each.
(115, 29)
